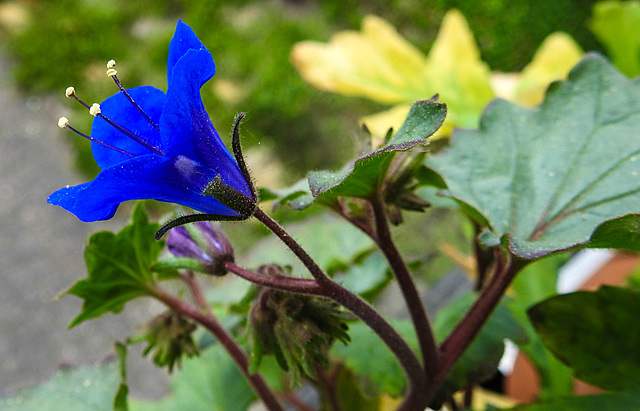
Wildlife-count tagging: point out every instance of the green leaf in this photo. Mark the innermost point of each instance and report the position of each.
(622, 233)
(350, 396)
(209, 382)
(363, 176)
(90, 387)
(480, 361)
(118, 267)
(367, 278)
(328, 239)
(536, 282)
(297, 196)
(601, 402)
(547, 177)
(595, 333)
(371, 360)
(617, 25)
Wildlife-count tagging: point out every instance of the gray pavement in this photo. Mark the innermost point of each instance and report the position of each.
(41, 249)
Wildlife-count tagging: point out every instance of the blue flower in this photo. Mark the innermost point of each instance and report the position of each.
(170, 153)
(204, 243)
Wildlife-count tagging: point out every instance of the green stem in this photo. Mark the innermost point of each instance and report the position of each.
(239, 356)
(424, 332)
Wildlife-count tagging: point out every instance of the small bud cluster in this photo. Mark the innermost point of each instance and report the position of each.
(297, 329)
(170, 338)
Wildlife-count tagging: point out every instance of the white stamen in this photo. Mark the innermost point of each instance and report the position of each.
(70, 92)
(112, 72)
(111, 63)
(94, 110)
(63, 122)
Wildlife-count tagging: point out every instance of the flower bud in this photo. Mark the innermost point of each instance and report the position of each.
(203, 242)
(170, 337)
(297, 329)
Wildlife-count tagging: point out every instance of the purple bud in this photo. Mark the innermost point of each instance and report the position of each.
(203, 242)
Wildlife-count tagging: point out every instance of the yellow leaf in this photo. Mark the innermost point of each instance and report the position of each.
(552, 61)
(379, 64)
(484, 399)
(376, 63)
(459, 76)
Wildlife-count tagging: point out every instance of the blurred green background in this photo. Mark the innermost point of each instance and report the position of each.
(68, 42)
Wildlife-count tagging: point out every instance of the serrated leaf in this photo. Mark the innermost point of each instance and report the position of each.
(363, 177)
(594, 333)
(119, 267)
(480, 361)
(383, 375)
(547, 177)
(617, 26)
(90, 387)
(210, 382)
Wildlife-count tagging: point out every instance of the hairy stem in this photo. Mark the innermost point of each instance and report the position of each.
(416, 396)
(426, 339)
(280, 282)
(293, 245)
(239, 356)
(196, 291)
(469, 327)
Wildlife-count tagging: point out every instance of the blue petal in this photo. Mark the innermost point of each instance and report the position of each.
(184, 40)
(119, 109)
(185, 125)
(177, 180)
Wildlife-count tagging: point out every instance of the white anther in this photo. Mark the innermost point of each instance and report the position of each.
(95, 109)
(63, 122)
(70, 92)
(111, 64)
(112, 72)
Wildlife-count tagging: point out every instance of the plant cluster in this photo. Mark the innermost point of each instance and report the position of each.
(535, 181)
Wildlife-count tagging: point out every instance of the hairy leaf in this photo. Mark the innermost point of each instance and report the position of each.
(119, 267)
(362, 177)
(595, 333)
(546, 177)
